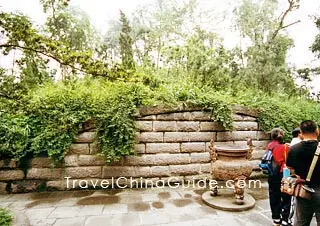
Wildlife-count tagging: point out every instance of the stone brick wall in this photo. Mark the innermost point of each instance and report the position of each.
(170, 143)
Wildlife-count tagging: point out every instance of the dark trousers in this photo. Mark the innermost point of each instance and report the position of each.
(306, 208)
(280, 203)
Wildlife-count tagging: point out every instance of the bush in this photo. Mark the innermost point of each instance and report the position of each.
(5, 217)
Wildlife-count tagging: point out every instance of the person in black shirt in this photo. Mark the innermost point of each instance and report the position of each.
(299, 159)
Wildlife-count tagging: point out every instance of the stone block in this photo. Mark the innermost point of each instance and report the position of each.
(182, 170)
(176, 137)
(257, 154)
(150, 137)
(91, 160)
(188, 126)
(200, 157)
(193, 147)
(41, 162)
(94, 148)
(163, 148)
(168, 117)
(27, 186)
(79, 149)
(143, 160)
(148, 118)
(162, 126)
(140, 148)
(57, 185)
(145, 126)
(224, 136)
(238, 117)
(160, 171)
(263, 136)
(211, 126)
(126, 171)
(202, 176)
(206, 168)
(261, 143)
(201, 116)
(201, 136)
(245, 125)
(44, 173)
(3, 188)
(8, 175)
(85, 137)
(71, 160)
(236, 135)
(83, 172)
(8, 163)
(172, 159)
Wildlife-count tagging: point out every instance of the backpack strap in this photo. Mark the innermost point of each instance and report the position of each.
(313, 164)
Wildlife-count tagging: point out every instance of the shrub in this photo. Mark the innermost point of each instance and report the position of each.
(5, 217)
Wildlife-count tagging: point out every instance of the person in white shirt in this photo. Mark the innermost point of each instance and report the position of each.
(297, 137)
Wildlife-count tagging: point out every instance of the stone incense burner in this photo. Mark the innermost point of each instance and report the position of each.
(231, 163)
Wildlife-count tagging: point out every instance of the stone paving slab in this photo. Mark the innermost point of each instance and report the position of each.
(163, 206)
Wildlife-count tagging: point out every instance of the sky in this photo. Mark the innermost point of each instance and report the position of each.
(102, 11)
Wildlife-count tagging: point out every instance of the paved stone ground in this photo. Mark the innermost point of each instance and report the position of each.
(161, 206)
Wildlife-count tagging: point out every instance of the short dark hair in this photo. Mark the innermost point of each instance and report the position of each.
(277, 134)
(308, 127)
(296, 132)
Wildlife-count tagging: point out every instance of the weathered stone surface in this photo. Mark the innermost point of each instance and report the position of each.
(263, 136)
(83, 172)
(3, 187)
(242, 110)
(148, 118)
(193, 147)
(201, 116)
(202, 176)
(246, 125)
(161, 126)
(57, 185)
(143, 160)
(176, 137)
(125, 171)
(236, 135)
(188, 126)
(237, 117)
(163, 109)
(7, 175)
(140, 148)
(150, 137)
(44, 173)
(85, 137)
(94, 149)
(160, 171)
(170, 116)
(7, 163)
(163, 148)
(201, 136)
(27, 186)
(224, 136)
(228, 170)
(173, 180)
(200, 157)
(257, 154)
(145, 125)
(79, 149)
(71, 160)
(41, 162)
(189, 169)
(211, 126)
(91, 160)
(206, 168)
(171, 159)
(261, 143)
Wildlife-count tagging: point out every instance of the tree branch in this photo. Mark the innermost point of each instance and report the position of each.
(291, 6)
(48, 55)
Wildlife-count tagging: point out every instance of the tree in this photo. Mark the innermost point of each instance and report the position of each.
(263, 64)
(126, 42)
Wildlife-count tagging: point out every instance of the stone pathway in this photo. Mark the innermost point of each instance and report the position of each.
(162, 206)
